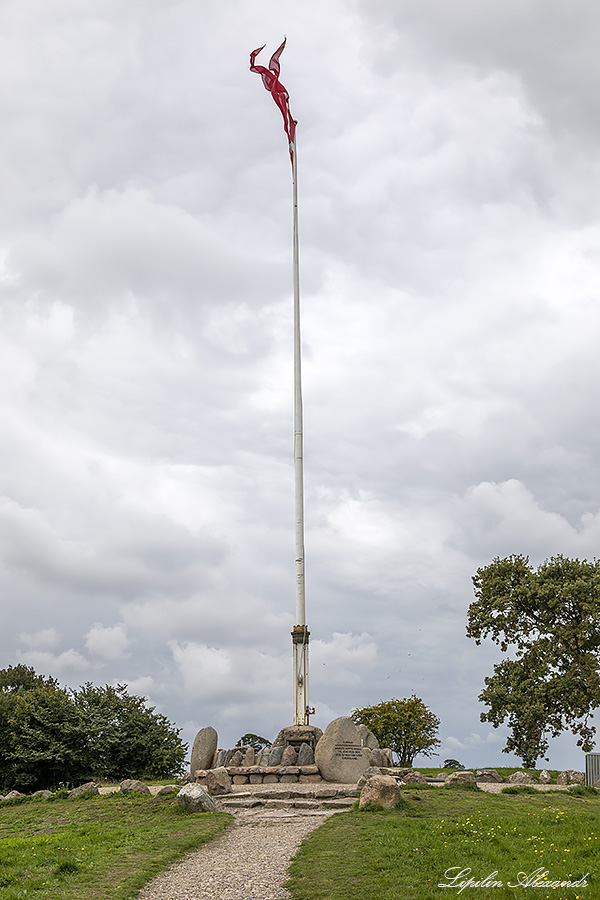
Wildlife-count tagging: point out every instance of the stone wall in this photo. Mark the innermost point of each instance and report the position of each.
(266, 775)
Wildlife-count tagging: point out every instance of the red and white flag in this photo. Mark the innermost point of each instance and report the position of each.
(280, 95)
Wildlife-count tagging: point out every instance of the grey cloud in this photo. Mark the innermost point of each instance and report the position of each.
(161, 557)
(450, 324)
(546, 46)
(109, 246)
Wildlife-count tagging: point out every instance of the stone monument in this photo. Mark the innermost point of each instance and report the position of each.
(296, 735)
(340, 754)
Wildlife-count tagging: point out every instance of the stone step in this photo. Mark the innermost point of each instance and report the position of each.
(253, 802)
(240, 803)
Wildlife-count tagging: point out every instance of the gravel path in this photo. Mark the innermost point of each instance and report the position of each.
(249, 862)
(496, 788)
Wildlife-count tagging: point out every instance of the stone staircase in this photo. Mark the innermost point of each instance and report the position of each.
(315, 798)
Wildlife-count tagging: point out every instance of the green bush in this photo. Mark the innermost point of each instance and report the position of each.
(53, 736)
(583, 790)
(519, 789)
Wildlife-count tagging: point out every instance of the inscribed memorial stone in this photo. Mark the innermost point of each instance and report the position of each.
(340, 756)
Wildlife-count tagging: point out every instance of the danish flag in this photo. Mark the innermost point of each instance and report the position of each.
(280, 95)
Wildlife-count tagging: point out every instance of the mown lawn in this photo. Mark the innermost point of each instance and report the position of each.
(443, 832)
(94, 848)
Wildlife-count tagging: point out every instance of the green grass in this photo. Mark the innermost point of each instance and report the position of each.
(97, 848)
(403, 855)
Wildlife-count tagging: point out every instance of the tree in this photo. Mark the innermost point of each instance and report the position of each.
(126, 738)
(550, 618)
(407, 727)
(52, 735)
(452, 764)
(253, 740)
(15, 681)
(48, 740)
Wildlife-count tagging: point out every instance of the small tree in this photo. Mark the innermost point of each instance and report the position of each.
(407, 727)
(253, 740)
(452, 764)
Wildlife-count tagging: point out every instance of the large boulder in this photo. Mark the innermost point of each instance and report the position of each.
(133, 786)
(89, 787)
(489, 776)
(289, 757)
(545, 777)
(380, 790)
(340, 754)
(461, 778)
(413, 777)
(263, 757)
(249, 757)
(218, 781)
(521, 778)
(378, 758)
(368, 773)
(367, 737)
(275, 755)
(389, 755)
(203, 749)
(220, 759)
(195, 799)
(306, 755)
(236, 759)
(570, 776)
(165, 790)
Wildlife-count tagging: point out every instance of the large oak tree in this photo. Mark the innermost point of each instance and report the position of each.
(548, 619)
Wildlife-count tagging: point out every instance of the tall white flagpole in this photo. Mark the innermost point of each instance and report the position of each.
(300, 634)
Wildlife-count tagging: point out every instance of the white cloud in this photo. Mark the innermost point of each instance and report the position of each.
(48, 637)
(474, 741)
(142, 686)
(63, 666)
(108, 643)
(346, 660)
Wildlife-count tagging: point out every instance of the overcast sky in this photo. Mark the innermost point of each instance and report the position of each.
(449, 173)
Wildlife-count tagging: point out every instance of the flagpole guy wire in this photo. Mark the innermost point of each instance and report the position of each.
(300, 633)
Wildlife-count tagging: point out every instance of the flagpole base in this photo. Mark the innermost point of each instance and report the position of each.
(300, 639)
